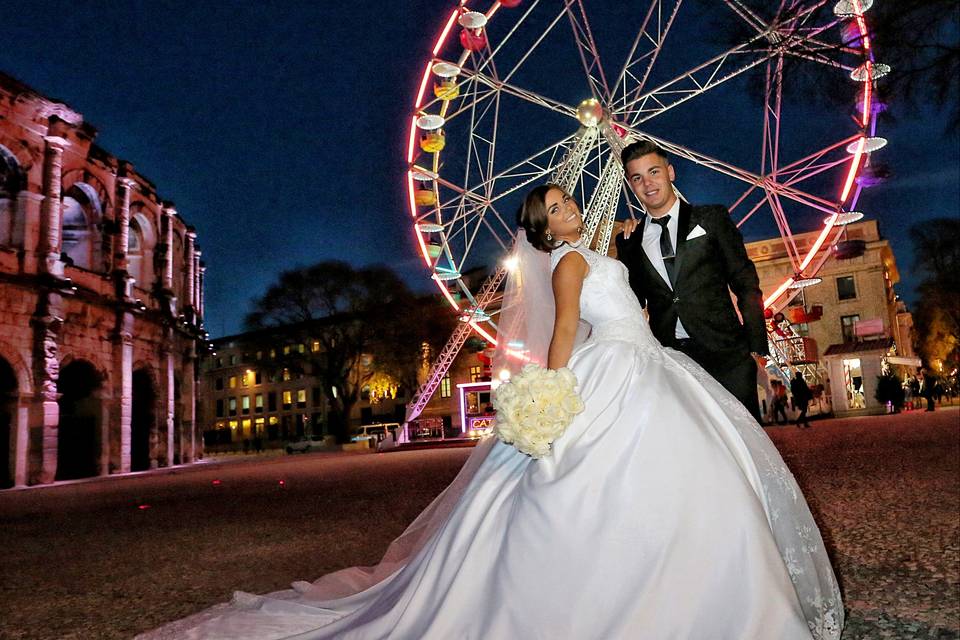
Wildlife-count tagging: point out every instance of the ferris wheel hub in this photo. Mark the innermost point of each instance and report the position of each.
(590, 112)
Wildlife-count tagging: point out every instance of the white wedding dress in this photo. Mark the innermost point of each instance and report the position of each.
(663, 512)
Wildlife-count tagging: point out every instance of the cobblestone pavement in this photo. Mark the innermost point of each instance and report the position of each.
(110, 558)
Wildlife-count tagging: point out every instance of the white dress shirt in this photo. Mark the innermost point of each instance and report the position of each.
(651, 246)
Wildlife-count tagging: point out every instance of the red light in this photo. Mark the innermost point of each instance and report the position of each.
(216, 483)
(446, 30)
(143, 507)
(283, 483)
(423, 84)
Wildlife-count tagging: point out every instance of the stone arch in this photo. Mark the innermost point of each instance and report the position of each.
(142, 241)
(82, 224)
(9, 397)
(93, 187)
(79, 443)
(143, 418)
(20, 368)
(12, 181)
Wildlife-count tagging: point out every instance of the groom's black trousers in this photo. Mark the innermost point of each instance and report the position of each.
(736, 371)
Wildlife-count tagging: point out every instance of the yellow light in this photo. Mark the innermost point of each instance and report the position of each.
(511, 263)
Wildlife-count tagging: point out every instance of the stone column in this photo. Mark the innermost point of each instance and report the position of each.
(21, 446)
(202, 270)
(122, 217)
(50, 215)
(197, 285)
(122, 418)
(188, 425)
(169, 397)
(45, 417)
(168, 214)
(189, 298)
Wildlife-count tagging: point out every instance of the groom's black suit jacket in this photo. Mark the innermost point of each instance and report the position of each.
(705, 267)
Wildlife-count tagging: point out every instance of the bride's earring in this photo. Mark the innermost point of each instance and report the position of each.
(549, 237)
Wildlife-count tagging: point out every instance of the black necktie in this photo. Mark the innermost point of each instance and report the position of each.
(666, 245)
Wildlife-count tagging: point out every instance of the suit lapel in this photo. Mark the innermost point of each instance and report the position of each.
(683, 228)
(652, 272)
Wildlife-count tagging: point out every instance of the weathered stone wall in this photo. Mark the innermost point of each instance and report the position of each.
(95, 269)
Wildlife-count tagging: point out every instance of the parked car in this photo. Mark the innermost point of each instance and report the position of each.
(305, 444)
(375, 432)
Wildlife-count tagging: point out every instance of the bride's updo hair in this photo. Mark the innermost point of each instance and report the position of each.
(532, 216)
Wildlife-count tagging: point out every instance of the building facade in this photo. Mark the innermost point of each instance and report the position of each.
(856, 321)
(102, 304)
(258, 388)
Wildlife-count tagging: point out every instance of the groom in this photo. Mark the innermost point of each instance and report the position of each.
(682, 261)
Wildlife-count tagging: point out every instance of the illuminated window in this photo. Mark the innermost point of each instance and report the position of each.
(259, 355)
(286, 349)
(233, 406)
(273, 353)
(287, 399)
(273, 420)
(233, 424)
(315, 346)
(233, 382)
(475, 373)
(301, 398)
(286, 374)
(246, 426)
(846, 288)
(445, 387)
(245, 379)
(301, 348)
(245, 404)
(258, 403)
(233, 359)
(847, 326)
(259, 424)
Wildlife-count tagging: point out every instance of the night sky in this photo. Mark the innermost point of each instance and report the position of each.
(279, 128)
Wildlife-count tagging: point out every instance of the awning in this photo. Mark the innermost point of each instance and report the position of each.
(908, 361)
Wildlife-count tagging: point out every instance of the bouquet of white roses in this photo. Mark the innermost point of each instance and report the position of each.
(535, 407)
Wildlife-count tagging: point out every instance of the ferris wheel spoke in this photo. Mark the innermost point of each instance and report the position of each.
(501, 86)
(696, 81)
(587, 47)
(757, 23)
(643, 53)
(743, 175)
(488, 61)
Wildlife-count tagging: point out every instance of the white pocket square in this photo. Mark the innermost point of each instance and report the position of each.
(696, 232)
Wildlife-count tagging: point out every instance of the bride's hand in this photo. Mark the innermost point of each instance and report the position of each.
(629, 226)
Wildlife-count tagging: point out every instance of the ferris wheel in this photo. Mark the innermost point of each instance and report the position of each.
(518, 92)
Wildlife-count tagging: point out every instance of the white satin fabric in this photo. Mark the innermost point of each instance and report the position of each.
(664, 512)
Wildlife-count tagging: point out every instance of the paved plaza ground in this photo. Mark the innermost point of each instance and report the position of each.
(109, 558)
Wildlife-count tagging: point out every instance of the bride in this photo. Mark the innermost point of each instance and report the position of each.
(662, 512)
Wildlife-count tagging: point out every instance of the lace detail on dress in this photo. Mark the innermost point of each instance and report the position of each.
(796, 534)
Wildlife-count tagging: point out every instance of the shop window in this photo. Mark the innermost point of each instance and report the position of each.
(847, 324)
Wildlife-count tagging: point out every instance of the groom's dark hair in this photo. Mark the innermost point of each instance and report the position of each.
(641, 148)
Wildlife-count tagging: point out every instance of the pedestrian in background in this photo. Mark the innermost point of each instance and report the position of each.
(779, 401)
(801, 399)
